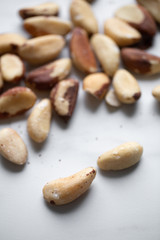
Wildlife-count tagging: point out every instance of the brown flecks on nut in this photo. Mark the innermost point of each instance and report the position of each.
(137, 95)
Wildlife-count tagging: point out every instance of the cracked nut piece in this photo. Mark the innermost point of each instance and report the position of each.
(38, 26)
(38, 123)
(121, 32)
(44, 9)
(42, 49)
(16, 101)
(12, 146)
(140, 62)
(47, 76)
(12, 68)
(64, 96)
(10, 40)
(65, 190)
(107, 53)
(156, 92)
(111, 99)
(81, 52)
(121, 157)
(82, 16)
(126, 87)
(153, 6)
(96, 84)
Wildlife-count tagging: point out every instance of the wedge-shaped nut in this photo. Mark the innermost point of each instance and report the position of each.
(1, 82)
(121, 32)
(126, 87)
(44, 9)
(12, 68)
(107, 53)
(66, 190)
(38, 123)
(63, 97)
(121, 157)
(12, 146)
(82, 16)
(81, 52)
(111, 99)
(42, 49)
(156, 92)
(47, 76)
(9, 40)
(139, 61)
(16, 101)
(96, 84)
(153, 6)
(38, 26)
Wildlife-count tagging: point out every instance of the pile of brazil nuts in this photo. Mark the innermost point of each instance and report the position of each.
(126, 37)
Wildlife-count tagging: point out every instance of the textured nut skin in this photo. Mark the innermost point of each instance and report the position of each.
(139, 61)
(121, 157)
(96, 84)
(38, 26)
(111, 99)
(45, 9)
(82, 16)
(9, 40)
(16, 101)
(38, 124)
(66, 190)
(12, 146)
(126, 87)
(107, 53)
(156, 92)
(47, 76)
(121, 32)
(12, 68)
(42, 49)
(63, 97)
(153, 6)
(81, 52)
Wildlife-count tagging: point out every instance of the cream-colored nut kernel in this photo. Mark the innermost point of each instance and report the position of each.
(12, 68)
(126, 87)
(42, 49)
(96, 84)
(107, 53)
(66, 190)
(121, 157)
(38, 26)
(12, 146)
(15, 101)
(8, 40)
(111, 99)
(38, 124)
(44, 9)
(156, 92)
(121, 32)
(82, 16)
(153, 6)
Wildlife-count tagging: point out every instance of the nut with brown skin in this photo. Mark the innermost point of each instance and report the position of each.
(140, 62)
(96, 84)
(47, 76)
(81, 52)
(63, 98)
(44, 9)
(1, 81)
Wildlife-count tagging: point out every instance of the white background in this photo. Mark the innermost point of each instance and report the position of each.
(123, 205)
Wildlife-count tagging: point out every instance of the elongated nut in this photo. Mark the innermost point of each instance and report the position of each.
(63, 97)
(126, 87)
(1, 81)
(121, 32)
(12, 68)
(42, 49)
(47, 76)
(156, 92)
(45, 9)
(111, 99)
(12, 146)
(139, 61)
(9, 40)
(65, 190)
(81, 52)
(38, 123)
(107, 53)
(96, 84)
(82, 16)
(121, 157)
(38, 26)
(16, 101)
